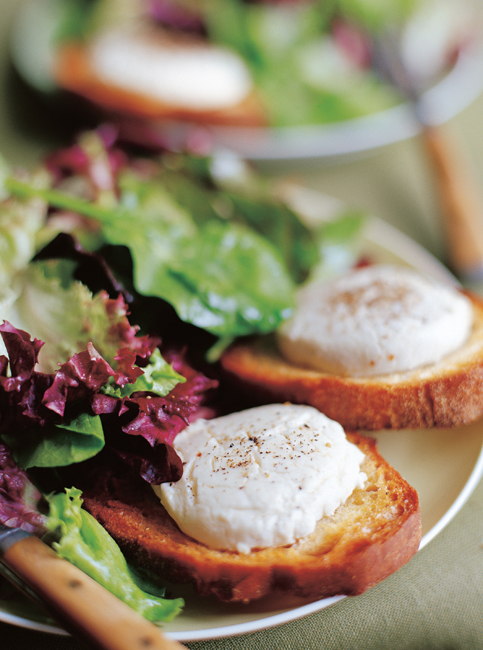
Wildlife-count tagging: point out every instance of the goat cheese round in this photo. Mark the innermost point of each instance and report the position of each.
(374, 321)
(261, 477)
(187, 75)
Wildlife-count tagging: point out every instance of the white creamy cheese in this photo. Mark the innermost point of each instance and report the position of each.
(374, 321)
(187, 75)
(262, 477)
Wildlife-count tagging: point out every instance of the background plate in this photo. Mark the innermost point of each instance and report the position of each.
(31, 55)
(344, 140)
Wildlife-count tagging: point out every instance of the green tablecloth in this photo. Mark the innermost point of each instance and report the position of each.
(436, 601)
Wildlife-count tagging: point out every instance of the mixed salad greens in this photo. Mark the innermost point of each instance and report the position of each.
(310, 60)
(123, 277)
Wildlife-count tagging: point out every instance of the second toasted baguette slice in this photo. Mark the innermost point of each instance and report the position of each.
(445, 394)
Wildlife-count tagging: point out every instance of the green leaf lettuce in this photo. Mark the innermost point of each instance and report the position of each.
(87, 545)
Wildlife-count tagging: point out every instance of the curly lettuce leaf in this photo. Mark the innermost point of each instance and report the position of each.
(30, 402)
(65, 418)
(19, 498)
(65, 315)
(159, 378)
(83, 375)
(87, 545)
(154, 418)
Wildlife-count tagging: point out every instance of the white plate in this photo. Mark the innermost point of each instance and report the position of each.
(442, 469)
(31, 54)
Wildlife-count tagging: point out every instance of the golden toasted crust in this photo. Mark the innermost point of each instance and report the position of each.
(372, 535)
(446, 394)
(74, 73)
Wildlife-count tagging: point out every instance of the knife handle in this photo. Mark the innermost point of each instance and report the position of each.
(79, 603)
(461, 204)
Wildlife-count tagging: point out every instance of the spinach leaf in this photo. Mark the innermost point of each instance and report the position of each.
(59, 445)
(219, 276)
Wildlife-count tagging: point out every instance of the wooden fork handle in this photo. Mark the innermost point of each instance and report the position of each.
(79, 603)
(461, 204)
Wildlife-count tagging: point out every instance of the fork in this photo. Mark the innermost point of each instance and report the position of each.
(460, 200)
(78, 603)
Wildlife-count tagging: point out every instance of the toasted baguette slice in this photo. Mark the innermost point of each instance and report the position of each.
(448, 393)
(73, 72)
(369, 537)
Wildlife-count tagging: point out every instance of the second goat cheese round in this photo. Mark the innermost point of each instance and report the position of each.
(261, 477)
(375, 321)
